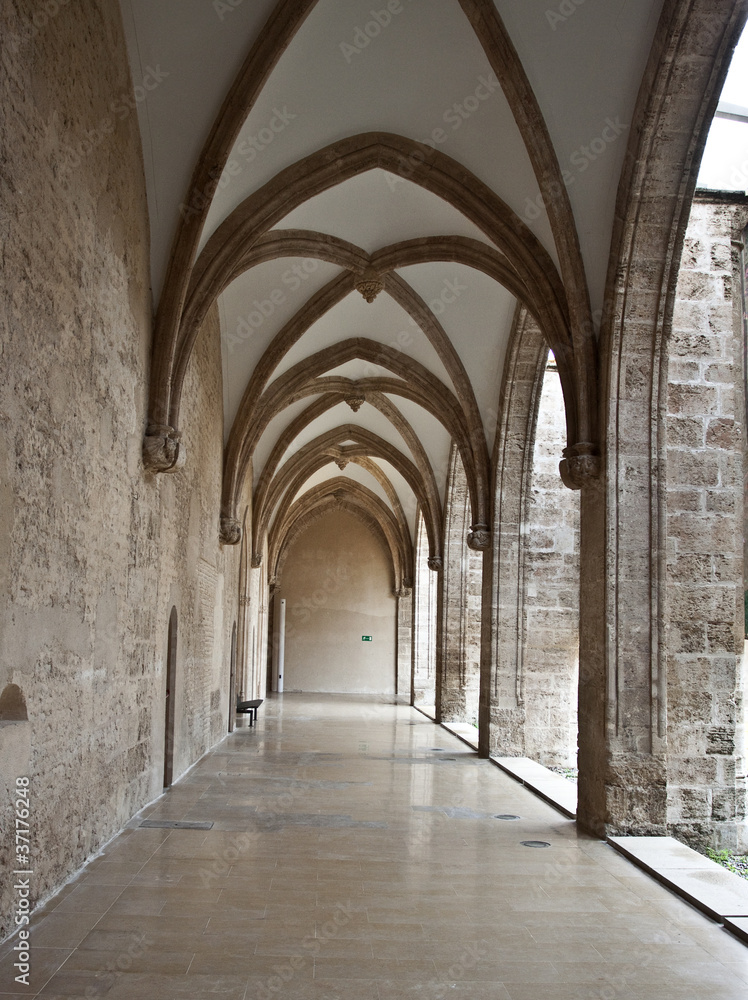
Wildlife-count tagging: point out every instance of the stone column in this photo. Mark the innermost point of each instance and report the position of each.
(623, 702)
(453, 672)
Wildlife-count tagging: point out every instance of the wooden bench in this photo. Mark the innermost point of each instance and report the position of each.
(249, 708)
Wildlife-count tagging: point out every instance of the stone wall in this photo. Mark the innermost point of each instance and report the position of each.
(94, 553)
(197, 575)
(705, 449)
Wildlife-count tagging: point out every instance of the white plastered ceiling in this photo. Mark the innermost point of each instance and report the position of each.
(423, 75)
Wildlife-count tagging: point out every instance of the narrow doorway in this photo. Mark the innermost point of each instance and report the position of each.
(232, 681)
(170, 701)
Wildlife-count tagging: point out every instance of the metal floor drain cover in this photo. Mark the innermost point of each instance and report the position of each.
(171, 824)
(438, 749)
(507, 816)
(534, 843)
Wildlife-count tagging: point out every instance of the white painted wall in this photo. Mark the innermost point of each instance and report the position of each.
(337, 581)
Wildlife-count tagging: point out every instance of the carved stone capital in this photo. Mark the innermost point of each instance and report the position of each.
(370, 284)
(163, 449)
(256, 560)
(230, 531)
(341, 463)
(479, 538)
(401, 593)
(581, 466)
(436, 563)
(356, 401)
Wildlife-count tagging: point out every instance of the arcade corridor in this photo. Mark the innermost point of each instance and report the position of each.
(355, 852)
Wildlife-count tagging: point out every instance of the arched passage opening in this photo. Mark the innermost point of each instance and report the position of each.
(337, 580)
(425, 607)
(13, 705)
(550, 582)
(463, 576)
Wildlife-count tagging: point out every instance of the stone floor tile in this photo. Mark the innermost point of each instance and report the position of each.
(64, 930)
(343, 968)
(434, 990)
(90, 899)
(155, 987)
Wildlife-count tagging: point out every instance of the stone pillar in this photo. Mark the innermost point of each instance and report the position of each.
(622, 766)
(436, 566)
(462, 580)
(623, 702)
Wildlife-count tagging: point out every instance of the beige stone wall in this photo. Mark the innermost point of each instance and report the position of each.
(199, 575)
(705, 449)
(337, 582)
(94, 554)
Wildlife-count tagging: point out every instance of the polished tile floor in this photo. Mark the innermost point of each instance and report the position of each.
(357, 853)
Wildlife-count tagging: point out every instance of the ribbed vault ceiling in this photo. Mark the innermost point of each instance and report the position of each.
(409, 146)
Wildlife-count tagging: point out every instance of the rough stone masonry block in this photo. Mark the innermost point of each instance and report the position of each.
(693, 400)
(696, 285)
(687, 468)
(686, 637)
(691, 803)
(687, 431)
(724, 805)
(690, 342)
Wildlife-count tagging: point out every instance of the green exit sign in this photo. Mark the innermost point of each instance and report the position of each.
(367, 638)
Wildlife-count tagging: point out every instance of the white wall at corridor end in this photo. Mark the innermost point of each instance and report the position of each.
(337, 581)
